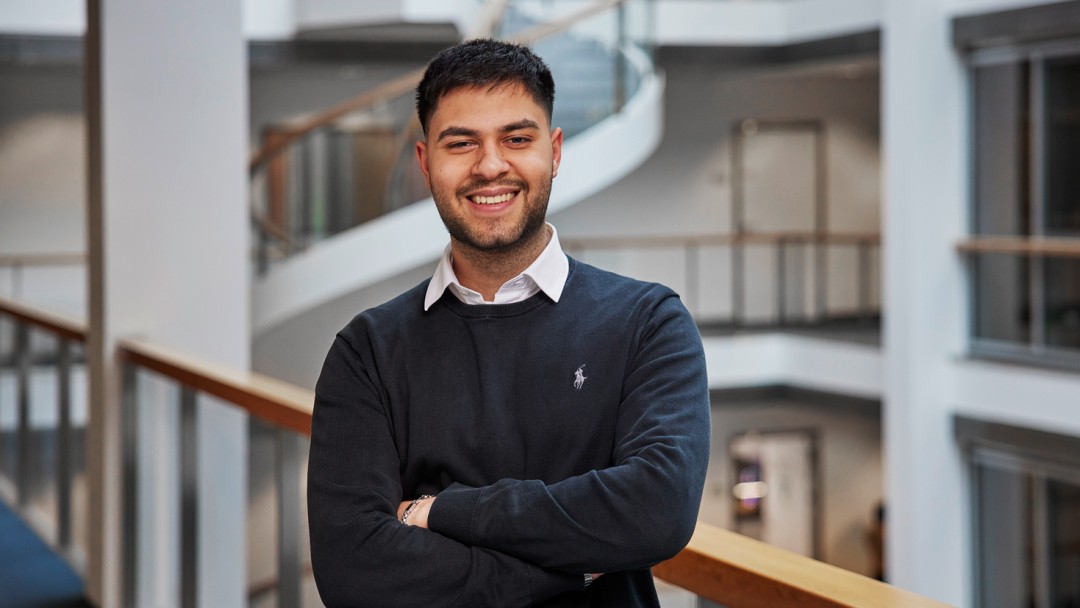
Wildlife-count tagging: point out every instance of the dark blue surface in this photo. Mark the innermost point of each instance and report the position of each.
(31, 575)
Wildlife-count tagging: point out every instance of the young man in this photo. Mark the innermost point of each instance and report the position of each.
(522, 429)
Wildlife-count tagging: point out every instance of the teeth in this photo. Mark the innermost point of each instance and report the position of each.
(492, 200)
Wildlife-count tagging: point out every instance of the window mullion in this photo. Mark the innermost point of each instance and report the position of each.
(1037, 192)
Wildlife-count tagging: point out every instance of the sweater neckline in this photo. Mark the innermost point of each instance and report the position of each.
(480, 311)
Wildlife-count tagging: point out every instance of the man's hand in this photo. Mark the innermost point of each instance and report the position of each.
(418, 516)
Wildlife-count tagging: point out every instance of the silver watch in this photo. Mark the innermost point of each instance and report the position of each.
(588, 580)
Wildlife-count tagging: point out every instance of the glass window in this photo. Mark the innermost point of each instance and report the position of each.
(1062, 302)
(1001, 157)
(1026, 146)
(1027, 533)
(1002, 298)
(1006, 567)
(1064, 511)
(1062, 146)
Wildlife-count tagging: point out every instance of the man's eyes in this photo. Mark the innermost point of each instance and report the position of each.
(516, 141)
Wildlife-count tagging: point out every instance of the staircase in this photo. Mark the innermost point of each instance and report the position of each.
(605, 102)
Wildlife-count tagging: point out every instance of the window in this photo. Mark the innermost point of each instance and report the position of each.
(1026, 501)
(1024, 252)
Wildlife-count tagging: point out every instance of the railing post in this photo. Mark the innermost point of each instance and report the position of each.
(821, 277)
(781, 283)
(620, 65)
(63, 445)
(693, 278)
(189, 499)
(16, 280)
(263, 260)
(288, 492)
(864, 281)
(737, 280)
(129, 432)
(22, 435)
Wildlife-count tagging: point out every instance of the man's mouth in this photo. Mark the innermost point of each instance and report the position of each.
(492, 200)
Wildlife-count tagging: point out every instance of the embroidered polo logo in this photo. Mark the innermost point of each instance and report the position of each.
(580, 377)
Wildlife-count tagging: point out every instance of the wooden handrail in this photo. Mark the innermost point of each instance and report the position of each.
(741, 572)
(42, 259)
(1032, 246)
(718, 564)
(280, 403)
(407, 82)
(61, 325)
(388, 90)
(751, 238)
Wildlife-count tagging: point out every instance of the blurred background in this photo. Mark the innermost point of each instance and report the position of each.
(871, 208)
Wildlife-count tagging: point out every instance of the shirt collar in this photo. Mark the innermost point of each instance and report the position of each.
(548, 271)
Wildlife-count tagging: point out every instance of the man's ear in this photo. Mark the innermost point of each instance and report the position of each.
(556, 150)
(422, 159)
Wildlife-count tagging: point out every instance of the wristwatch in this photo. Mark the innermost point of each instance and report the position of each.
(588, 580)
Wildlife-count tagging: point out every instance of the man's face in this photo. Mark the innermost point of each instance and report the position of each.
(488, 160)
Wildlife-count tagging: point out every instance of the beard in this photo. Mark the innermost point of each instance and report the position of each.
(490, 235)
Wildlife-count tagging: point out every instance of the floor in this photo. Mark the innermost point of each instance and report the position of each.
(31, 575)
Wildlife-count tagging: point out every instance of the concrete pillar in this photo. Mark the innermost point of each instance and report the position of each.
(168, 256)
(925, 144)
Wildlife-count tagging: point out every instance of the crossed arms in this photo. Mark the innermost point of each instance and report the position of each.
(514, 542)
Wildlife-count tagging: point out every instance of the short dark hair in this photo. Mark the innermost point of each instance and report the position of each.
(484, 63)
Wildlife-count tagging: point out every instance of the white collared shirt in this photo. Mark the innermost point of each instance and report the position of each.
(547, 273)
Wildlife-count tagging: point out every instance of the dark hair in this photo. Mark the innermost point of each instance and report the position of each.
(484, 63)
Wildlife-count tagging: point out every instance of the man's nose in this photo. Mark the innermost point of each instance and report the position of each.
(491, 163)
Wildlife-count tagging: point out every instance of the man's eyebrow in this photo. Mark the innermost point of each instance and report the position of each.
(522, 124)
(456, 132)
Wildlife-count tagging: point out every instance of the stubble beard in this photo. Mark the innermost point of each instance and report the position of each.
(472, 236)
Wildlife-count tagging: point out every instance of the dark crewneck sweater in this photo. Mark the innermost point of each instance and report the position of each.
(561, 438)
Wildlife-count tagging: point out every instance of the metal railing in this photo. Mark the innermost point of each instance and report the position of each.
(717, 565)
(28, 489)
(1025, 300)
(284, 407)
(752, 279)
(323, 174)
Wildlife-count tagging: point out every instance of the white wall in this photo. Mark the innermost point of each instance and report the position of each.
(924, 119)
(269, 19)
(169, 257)
(693, 22)
(974, 7)
(329, 13)
(57, 17)
(686, 189)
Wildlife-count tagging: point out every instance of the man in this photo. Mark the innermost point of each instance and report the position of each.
(522, 429)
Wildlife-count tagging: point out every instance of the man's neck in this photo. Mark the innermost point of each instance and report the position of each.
(485, 271)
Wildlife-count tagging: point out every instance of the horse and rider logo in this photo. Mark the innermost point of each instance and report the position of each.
(580, 377)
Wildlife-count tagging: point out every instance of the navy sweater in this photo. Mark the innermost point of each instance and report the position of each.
(560, 439)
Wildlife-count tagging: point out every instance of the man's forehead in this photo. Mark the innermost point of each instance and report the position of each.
(465, 97)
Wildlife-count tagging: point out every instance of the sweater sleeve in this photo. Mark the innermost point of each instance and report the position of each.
(639, 511)
(361, 555)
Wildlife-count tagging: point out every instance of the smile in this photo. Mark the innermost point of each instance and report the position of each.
(492, 200)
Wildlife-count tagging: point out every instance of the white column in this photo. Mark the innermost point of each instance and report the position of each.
(925, 193)
(168, 234)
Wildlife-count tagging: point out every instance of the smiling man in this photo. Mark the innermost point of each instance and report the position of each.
(521, 429)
